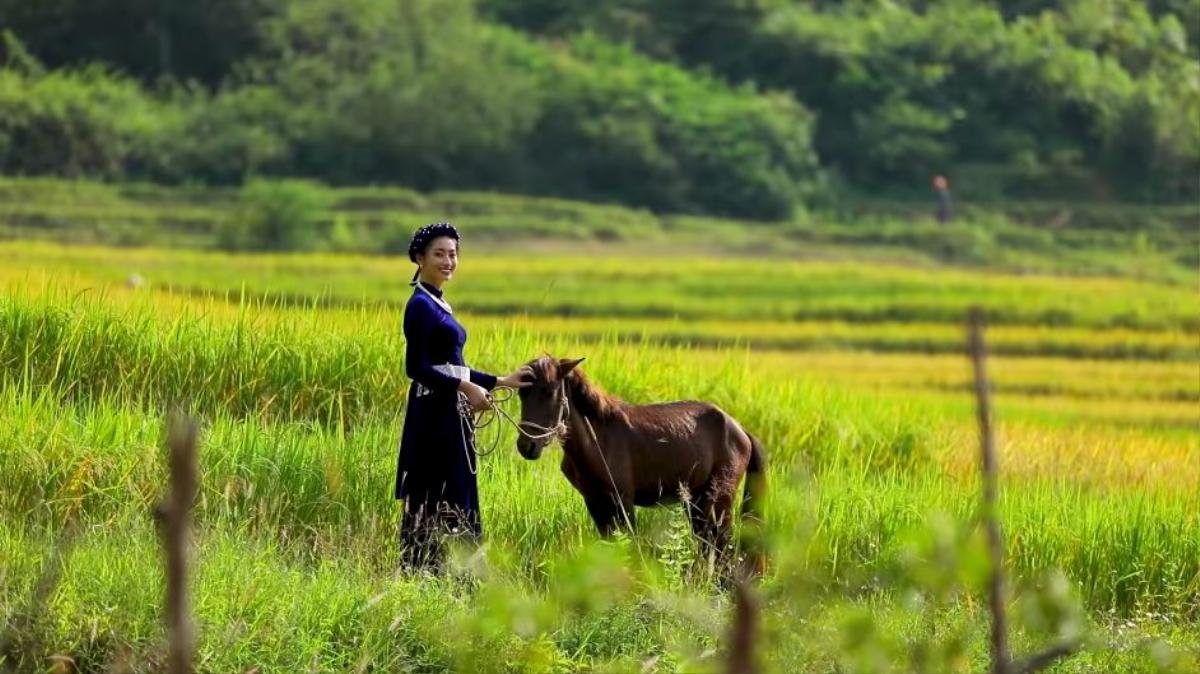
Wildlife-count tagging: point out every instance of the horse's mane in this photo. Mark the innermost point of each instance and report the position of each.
(588, 397)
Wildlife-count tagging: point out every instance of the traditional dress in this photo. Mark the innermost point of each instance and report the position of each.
(435, 474)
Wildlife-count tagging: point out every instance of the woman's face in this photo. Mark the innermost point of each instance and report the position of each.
(439, 260)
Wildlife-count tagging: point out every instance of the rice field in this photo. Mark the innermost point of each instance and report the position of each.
(850, 375)
(1133, 239)
(648, 284)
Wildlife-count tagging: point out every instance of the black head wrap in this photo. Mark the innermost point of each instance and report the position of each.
(423, 236)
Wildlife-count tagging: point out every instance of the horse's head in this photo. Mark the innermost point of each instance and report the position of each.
(543, 404)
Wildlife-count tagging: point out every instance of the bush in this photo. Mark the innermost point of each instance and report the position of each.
(222, 139)
(278, 215)
(619, 126)
(72, 123)
(343, 238)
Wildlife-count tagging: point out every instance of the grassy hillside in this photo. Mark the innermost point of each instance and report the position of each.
(1148, 242)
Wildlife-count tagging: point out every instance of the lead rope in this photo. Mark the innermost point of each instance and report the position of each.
(467, 426)
(556, 431)
(469, 422)
(541, 432)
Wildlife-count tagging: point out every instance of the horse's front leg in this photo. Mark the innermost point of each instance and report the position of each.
(610, 511)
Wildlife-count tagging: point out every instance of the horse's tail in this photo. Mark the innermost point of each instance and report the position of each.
(752, 500)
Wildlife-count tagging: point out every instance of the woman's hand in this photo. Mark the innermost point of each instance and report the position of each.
(476, 395)
(521, 378)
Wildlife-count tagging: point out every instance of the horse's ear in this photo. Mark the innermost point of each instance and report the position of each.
(565, 366)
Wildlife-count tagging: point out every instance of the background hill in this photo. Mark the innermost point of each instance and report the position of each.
(748, 108)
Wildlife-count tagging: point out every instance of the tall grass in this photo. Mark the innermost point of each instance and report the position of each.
(258, 606)
(303, 426)
(300, 367)
(102, 467)
(302, 407)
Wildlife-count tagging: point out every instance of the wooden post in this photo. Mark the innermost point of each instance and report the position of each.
(1001, 659)
(991, 524)
(744, 630)
(174, 516)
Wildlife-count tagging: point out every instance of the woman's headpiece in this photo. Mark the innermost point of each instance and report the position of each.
(422, 237)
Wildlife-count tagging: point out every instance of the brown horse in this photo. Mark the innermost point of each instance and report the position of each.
(620, 455)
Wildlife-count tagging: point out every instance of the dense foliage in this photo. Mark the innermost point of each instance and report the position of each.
(737, 107)
(1046, 97)
(420, 93)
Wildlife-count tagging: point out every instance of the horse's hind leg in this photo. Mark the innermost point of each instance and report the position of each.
(704, 511)
(694, 507)
(716, 515)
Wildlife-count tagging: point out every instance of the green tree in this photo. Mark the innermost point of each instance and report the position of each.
(146, 39)
(414, 91)
(619, 125)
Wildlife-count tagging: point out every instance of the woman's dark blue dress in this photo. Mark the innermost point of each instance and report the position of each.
(434, 473)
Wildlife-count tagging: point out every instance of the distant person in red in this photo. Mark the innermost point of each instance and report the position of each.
(941, 188)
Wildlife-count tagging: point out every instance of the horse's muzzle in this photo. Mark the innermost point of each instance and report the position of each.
(529, 449)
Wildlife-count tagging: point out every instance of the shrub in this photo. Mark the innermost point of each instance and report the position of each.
(278, 215)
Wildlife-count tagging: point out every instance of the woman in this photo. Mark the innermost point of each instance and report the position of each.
(435, 474)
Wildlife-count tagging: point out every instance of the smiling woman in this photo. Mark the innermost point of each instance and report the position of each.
(436, 468)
